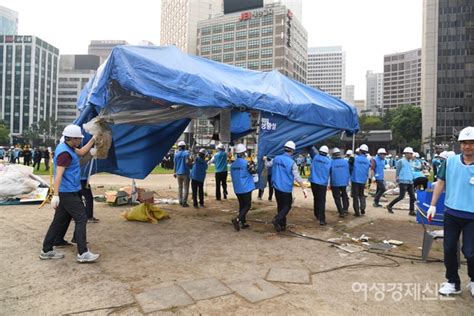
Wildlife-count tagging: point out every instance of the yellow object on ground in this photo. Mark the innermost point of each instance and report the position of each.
(145, 212)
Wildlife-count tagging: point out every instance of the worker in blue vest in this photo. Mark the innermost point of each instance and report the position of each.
(377, 165)
(67, 196)
(339, 180)
(243, 182)
(456, 175)
(359, 176)
(319, 178)
(436, 163)
(181, 172)
(284, 173)
(198, 174)
(404, 178)
(220, 163)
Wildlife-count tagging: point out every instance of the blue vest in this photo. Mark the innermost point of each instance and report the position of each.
(198, 172)
(320, 170)
(220, 161)
(282, 174)
(180, 161)
(379, 168)
(340, 172)
(71, 181)
(242, 180)
(360, 173)
(405, 175)
(459, 185)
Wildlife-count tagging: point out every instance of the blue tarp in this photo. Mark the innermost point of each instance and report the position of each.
(164, 76)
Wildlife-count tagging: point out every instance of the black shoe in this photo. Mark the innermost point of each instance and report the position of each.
(218, 199)
(195, 205)
(63, 243)
(357, 214)
(225, 196)
(277, 226)
(185, 204)
(201, 204)
(235, 222)
(389, 209)
(362, 212)
(345, 212)
(244, 225)
(322, 223)
(412, 213)
(341, 215)
(270, 199)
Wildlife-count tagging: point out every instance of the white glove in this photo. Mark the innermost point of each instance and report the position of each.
(431, 212)
(305, 193)
(373, 178)
(55, 201)
(93, 152)
(264, 158)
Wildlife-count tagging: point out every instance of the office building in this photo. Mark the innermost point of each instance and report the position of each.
(374, 95)
(349, 94)
(360, 106)
(8, 21)
(74, 72)
(295, 6)
(447, 78)
(327, 69)
(28, 84)
(103, 48)
(402, 79)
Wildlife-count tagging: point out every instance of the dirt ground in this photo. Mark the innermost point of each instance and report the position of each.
(193, 244)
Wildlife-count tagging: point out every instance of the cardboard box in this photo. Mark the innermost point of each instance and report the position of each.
(146, 197)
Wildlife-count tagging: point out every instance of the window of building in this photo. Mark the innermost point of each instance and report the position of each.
(206, 30)
(229, 27)
(241, 35)
(267, 52)
(255, 43)
(254, 22)
(228, 37)
(254, 33)
(217, 58)
(216, 48)
(205, 40)
(241, 45)
(267, 41)
(267, 20)
(241, 65)
(267, 31)
(253, 54)
(228, 47)
(253, 64)
(217, 28)
(205, 50)
(241, 25)
(240, 55)
(228, 57)
(217, 38)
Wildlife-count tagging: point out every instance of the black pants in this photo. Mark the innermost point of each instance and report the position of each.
(86, 193)
(341, 199)
(198, 188)
(221, 180)
(404, 188)
(301, 167)
(358, 198)
(380, 191)
(453, 226)
(46, 164)
(70, 205)
(37, 164)
(284, 201)
(270, 188)
(421, 182)
(245, 202)
(319, 201)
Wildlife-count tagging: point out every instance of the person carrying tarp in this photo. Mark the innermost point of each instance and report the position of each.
(319, 179)
(220, 163)
(198, 174)
(181, 172)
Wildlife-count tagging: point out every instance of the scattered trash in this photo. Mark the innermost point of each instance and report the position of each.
(380, 246)
(335, 239)
(100, 198)
(145, 212)
(166, 201)
(395, 242)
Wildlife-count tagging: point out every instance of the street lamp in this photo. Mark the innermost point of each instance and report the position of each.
(448, 109)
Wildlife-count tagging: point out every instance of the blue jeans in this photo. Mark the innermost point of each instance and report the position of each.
(453, 226)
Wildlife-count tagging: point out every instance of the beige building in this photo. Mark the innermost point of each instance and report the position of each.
(327, 70)
(103, 48)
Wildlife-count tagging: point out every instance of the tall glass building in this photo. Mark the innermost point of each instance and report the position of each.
(8, 21)
(28, 81)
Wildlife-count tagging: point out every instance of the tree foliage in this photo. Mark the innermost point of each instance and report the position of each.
(370, 123)
(405, 124)
(4, 133)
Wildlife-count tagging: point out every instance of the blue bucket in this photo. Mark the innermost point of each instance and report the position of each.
(423, 202)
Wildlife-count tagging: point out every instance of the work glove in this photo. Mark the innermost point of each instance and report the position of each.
(373, 179)
(93, 152)
(431, 213)
(305, 193)
(55, 201)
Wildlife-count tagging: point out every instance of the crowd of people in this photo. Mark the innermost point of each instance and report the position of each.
(30, 156)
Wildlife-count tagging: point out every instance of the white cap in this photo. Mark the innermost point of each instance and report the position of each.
(181, 144)
(220, 146)
(408, 150)
(336, 150)
(72, 130)
(381, 151)
(364, 147)
(417, 155)
(467, 133)
(324, 149)
(202, 151)
(240, 148)
(349, 152)
(291, 145)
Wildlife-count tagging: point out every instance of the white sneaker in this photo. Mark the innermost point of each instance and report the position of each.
(448, 289)
(87, 257)
(52, 254)
(471, 287)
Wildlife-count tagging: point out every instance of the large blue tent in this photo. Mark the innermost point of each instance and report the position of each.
(137, 84)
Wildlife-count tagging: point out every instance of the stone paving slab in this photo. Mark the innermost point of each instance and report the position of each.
(204, 289)
(163, 298)
(285, 275)
(256, 290)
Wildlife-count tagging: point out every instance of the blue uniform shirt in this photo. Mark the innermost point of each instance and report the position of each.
(198, 172)
(71, 181)
(242, 180)
(282, 175)
(379, 168)
(320, 170)
(181, 162)
(360, 171)
(220, 161)
(339, 172)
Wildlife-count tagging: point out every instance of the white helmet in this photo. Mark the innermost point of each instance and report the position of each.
(444, 154)
(290, 145)
(467, 133)
(324, 149)
(349, 152)
(417, 155)
(408, 150)
(336, 151)
(181, 144)
(364, 147)
(381, 151)
(220, 146)
(240, 148)
(72, 130)
(202, 151)
(357, 150)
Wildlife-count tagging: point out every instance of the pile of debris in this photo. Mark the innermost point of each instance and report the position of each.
(129, 195)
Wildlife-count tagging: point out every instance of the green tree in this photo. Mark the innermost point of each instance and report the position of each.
(369, 123)
(32, 134)
(4, 133)
(405, 124)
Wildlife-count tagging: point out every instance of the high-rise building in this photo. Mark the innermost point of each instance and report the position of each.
(349, 94)
(179, 20)
(402, 79)
(28, 84)
(294, 5)
(447, 79)
(8, 21)
(360, 106)
(374, 95)
(103, 48)
(74, 72)
(327, 69)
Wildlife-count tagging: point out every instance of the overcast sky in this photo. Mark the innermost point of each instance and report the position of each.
(366, 29)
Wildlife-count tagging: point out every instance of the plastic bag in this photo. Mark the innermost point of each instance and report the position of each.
(17, 180)
(145, 212)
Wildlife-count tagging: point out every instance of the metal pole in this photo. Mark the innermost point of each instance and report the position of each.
(353, 142)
